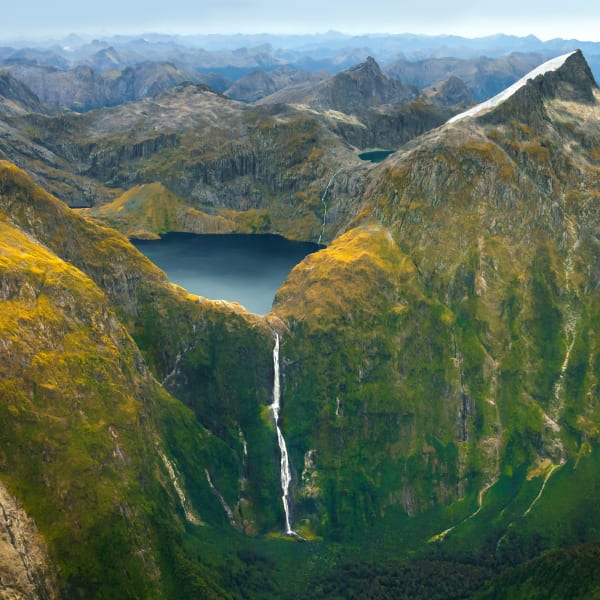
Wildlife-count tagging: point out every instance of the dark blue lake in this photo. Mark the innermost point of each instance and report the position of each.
(375, 156)
(248, 269)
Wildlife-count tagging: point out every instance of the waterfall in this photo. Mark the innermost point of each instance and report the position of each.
(189, 515)
(286, 476)
(325, 205)
(223, 502)
(548, 475)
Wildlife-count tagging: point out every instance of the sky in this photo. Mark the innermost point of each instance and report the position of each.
(579, 19)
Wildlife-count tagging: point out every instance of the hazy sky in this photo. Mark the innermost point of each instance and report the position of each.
(545, 18)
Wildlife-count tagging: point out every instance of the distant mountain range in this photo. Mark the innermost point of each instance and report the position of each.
(82, 74)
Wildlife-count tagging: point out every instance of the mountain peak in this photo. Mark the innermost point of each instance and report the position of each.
(369, 66)
(566, 77)
(451, 92)
(573, 80)
(365, 85)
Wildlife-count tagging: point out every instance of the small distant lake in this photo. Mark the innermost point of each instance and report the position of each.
(375, 156)
(248, 269)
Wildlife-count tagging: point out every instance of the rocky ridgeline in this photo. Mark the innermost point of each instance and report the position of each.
(84, 88)
(572, 82)
(222, 155)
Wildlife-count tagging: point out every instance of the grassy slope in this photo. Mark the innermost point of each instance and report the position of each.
(146, 211)
(87, 419)
(74, 449)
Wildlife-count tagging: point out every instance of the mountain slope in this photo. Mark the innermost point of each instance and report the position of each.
(16, 98)
(450, 92)
(460, 352)
(146, 211)
(89, 427)
(484, 76)
(83, 88)
(270, 165)
(71, 370)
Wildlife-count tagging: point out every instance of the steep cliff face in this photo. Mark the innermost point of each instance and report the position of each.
(373, 414)
(393, 126)
(452, 321)
(86, 87)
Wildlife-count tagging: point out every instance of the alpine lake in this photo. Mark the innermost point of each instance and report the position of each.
(248, 269)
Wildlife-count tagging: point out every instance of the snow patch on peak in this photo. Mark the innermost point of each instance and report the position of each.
(551, 65)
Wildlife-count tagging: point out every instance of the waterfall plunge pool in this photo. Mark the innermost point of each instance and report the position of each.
(248, 269)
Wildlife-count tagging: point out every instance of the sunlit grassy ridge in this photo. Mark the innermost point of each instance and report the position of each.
(148, 210)
(71, 397)
(87, 422)
(356, 272)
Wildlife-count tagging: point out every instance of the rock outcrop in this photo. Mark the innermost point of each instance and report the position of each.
(25, 568)
(16, 98)
(451, 92)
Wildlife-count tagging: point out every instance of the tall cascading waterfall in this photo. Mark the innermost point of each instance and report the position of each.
(285, 474)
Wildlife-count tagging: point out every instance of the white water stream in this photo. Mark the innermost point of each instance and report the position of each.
(440, 536)
(548, 475)
(286, 475)
(325, 205)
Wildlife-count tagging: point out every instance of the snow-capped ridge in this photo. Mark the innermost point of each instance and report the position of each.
(551, 65)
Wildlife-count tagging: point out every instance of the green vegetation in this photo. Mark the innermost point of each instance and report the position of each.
(567, 573)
